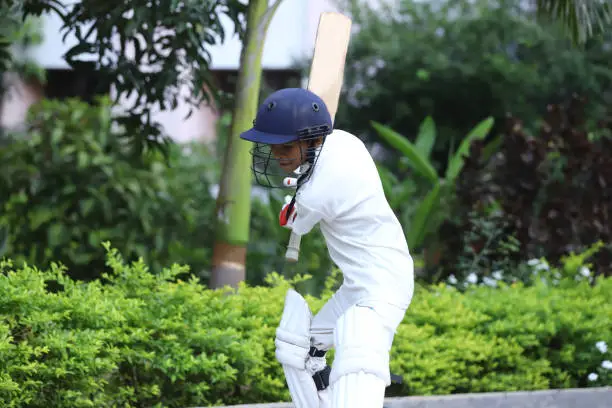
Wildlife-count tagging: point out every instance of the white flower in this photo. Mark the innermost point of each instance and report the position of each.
(489, 281)
(593, 377)
(472, 278)
(538, 265)
(371, 71)
(499, 275)
(452, 280)
(601, 346)
(607, 364)
(584, 271)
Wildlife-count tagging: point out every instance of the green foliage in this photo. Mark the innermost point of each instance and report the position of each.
(170, 39)
(497, 264)
(71, 183)
(135, 338)
(602, 375)
(512, 338)
(419, 162)
(460, 61)
(548, 190)
(581, 19)
(455, 164)
(489, 250)
(574, 263)
(17, 34)
(426, 216)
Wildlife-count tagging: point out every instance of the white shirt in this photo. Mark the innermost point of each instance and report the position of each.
(344, 195)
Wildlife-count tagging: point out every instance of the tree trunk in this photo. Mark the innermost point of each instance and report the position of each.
(233, 210)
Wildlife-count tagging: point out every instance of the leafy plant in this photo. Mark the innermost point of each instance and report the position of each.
(149, 53)
(17, 35)
(552, 189)
(71, 182)
(489, 252)
(427, 214)
(133, 338)
(581, 19)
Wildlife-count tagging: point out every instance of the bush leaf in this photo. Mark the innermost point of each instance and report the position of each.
(403, 145)
(421, 217)
(426, 137)
(479, 132)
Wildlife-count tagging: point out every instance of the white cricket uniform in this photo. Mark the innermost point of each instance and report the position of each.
(344, 195)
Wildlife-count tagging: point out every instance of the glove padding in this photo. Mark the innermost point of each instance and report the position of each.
(286, 217)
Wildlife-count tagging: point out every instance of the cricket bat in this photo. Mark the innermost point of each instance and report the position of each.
(325, 79)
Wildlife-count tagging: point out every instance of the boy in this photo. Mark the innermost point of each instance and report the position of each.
(338, 188)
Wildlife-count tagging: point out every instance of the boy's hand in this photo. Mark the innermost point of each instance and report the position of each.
(287, 217)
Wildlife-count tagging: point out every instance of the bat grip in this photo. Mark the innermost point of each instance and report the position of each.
(293, 248)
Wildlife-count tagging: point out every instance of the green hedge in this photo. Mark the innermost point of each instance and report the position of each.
(134, 338)
(72, 181)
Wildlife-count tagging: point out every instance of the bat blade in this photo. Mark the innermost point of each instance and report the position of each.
(326, 78)
(327, 66)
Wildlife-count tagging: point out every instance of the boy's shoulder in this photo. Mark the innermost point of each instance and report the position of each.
(343, 160)
(344, 174)
(340, 135)
(343, 143)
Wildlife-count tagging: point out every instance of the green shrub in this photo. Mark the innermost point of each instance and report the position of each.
(513, 338)
(550, 190)
(134, 338)
(71, 182)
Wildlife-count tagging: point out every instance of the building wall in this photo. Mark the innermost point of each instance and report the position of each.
(291, 36)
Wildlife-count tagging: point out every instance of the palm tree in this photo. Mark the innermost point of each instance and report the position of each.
(581, 18)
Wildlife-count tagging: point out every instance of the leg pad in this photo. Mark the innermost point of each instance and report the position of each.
(360, 370)
(292, 347)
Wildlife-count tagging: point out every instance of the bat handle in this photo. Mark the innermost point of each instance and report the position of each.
(293, 248)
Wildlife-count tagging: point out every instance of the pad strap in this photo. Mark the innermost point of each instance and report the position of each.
(318, 367)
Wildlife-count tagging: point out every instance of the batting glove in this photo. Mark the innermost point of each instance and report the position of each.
(286, 217)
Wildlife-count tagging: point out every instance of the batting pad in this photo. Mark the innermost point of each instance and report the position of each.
(360, 372)
(292, 346)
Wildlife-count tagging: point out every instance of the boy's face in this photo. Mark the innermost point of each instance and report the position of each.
(290, 155)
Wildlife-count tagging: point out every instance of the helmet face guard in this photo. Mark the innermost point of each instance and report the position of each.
(271, 171)
(288, 134)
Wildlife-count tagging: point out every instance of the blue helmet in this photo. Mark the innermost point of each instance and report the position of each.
(286, 116)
